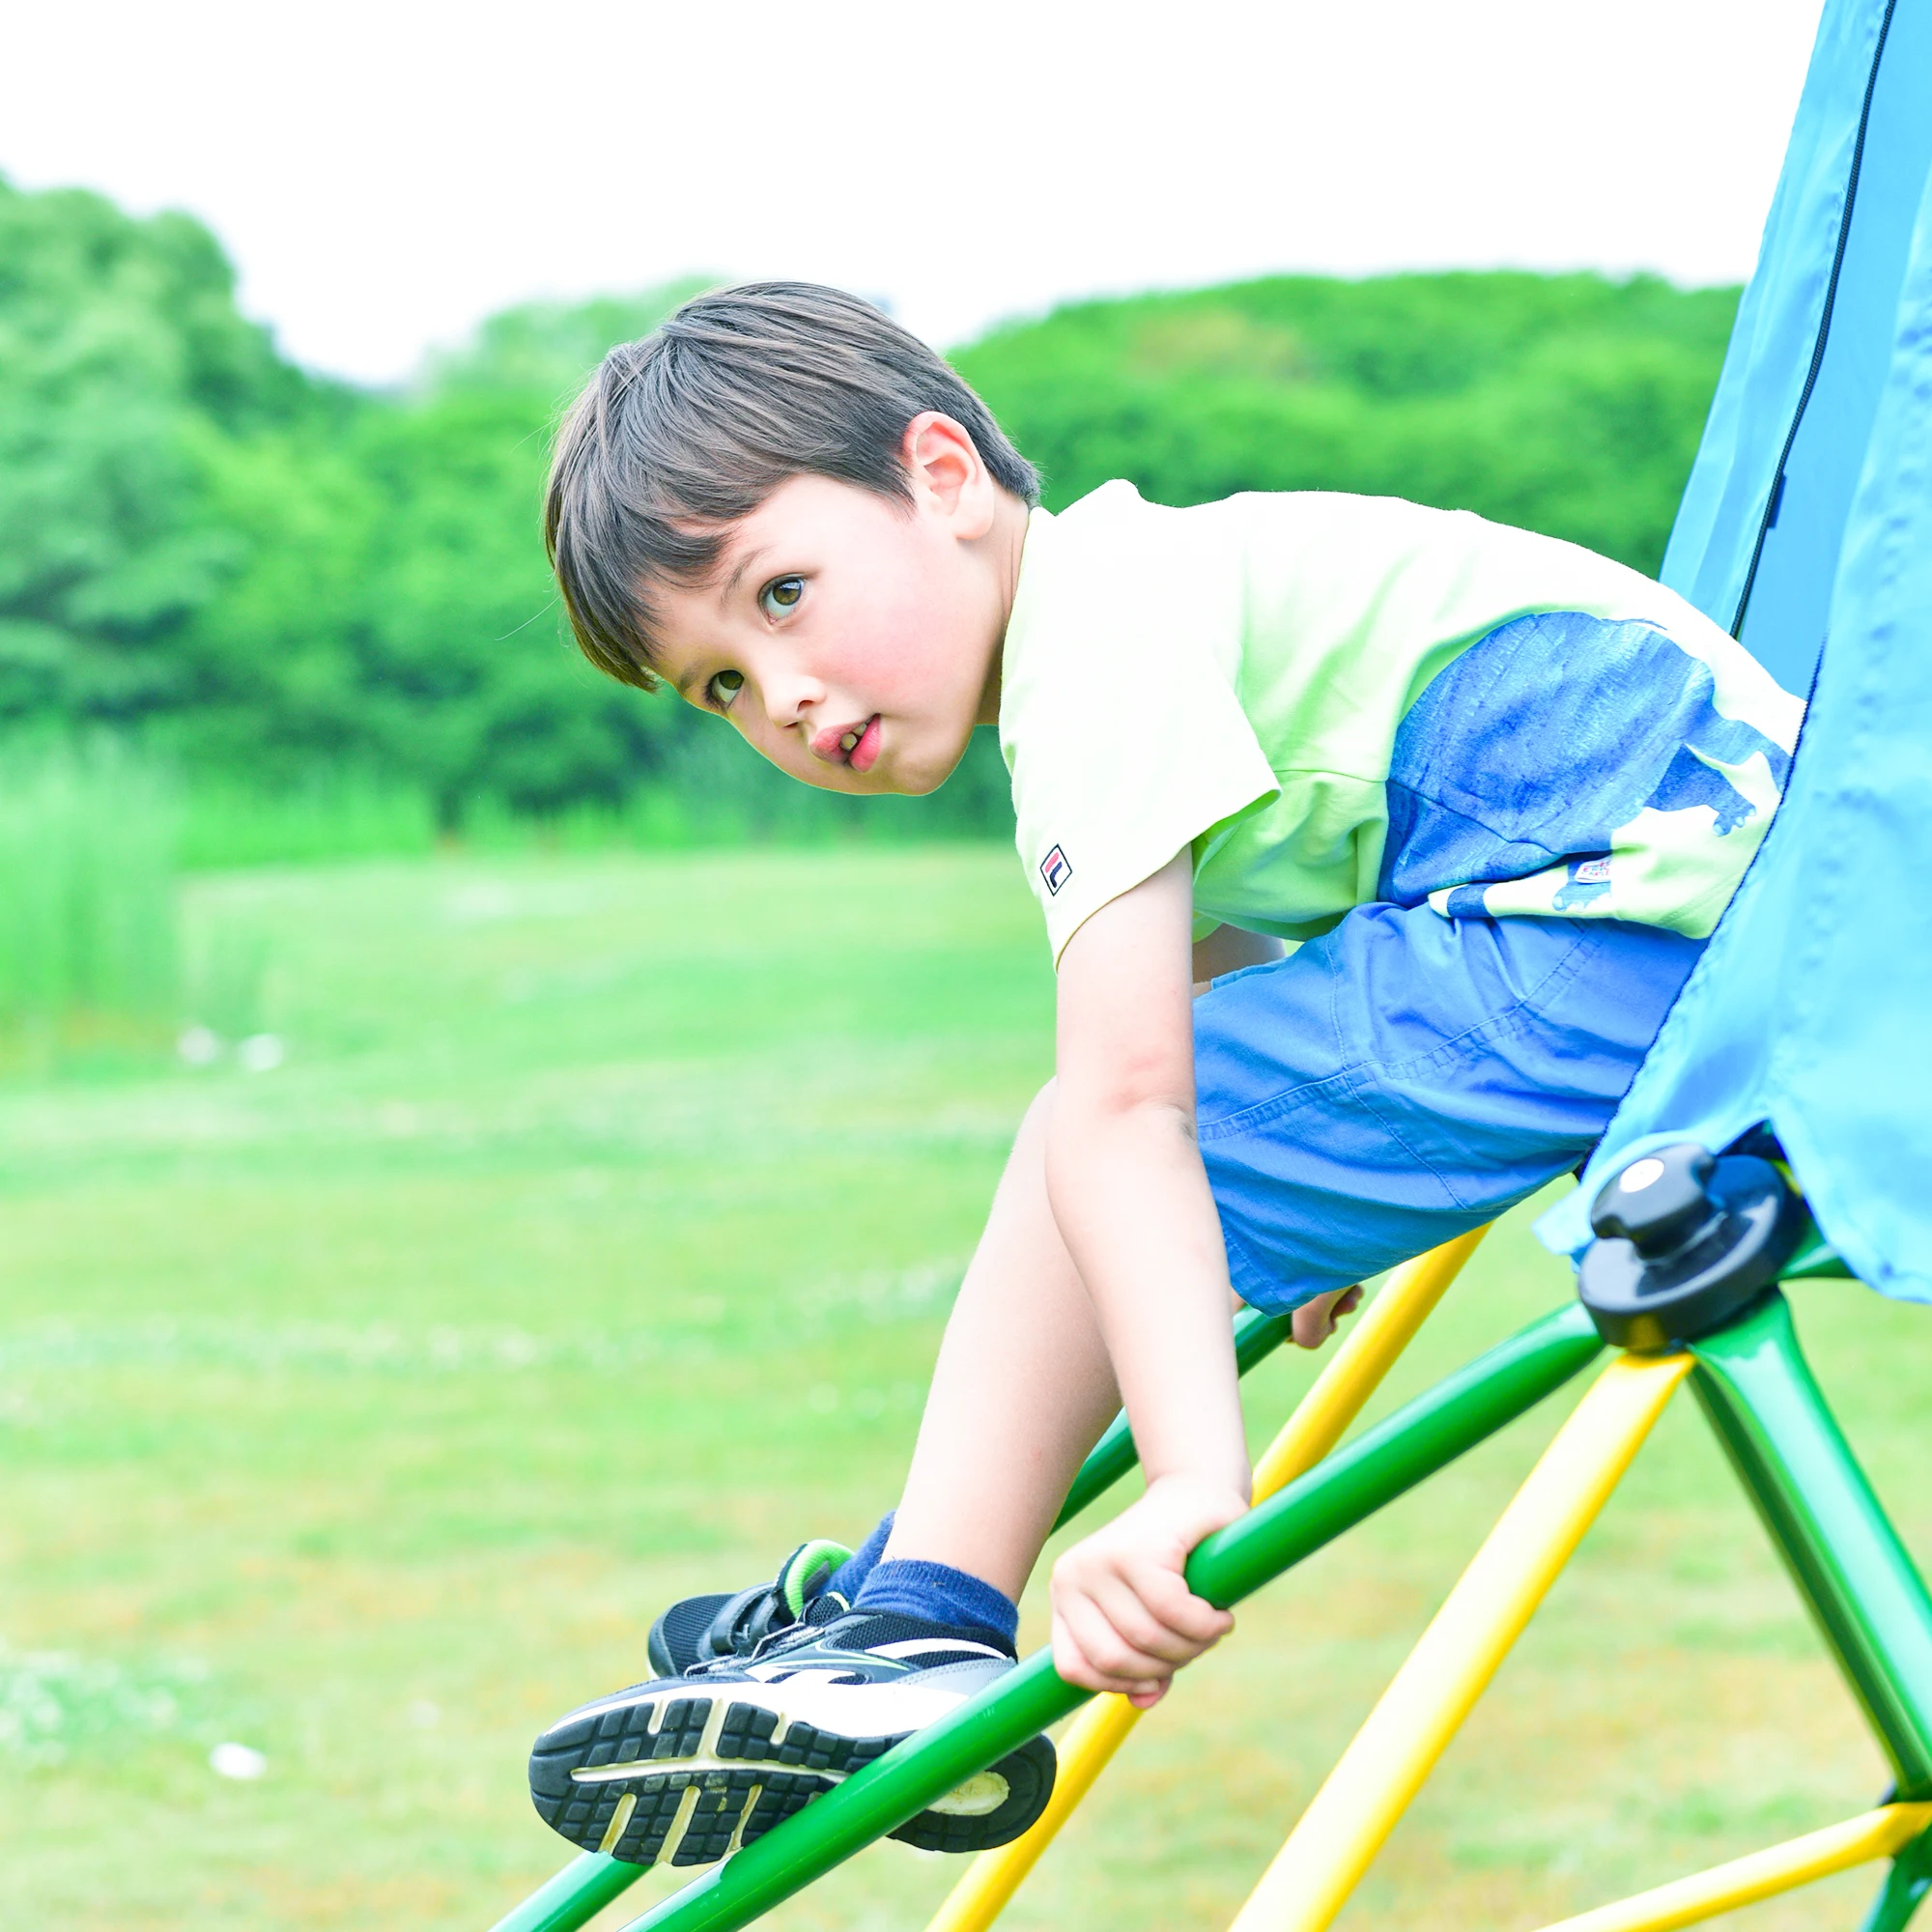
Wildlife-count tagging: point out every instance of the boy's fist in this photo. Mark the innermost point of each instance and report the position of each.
(1124, 1618)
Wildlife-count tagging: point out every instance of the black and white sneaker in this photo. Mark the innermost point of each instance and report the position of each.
(682, 1771)
(699, 1630)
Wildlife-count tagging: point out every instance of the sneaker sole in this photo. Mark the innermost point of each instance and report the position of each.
(686, 1780)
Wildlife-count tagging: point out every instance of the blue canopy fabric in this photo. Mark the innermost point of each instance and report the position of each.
(1807, 522)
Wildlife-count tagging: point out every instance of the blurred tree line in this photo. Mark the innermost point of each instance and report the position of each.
(265, 575)
(1566, 404)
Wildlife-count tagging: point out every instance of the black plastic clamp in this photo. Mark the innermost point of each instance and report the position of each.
(1686, 1240)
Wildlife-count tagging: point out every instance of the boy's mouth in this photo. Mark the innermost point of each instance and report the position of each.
(855, 747)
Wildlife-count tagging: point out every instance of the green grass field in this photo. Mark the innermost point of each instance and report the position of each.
(591, 1246)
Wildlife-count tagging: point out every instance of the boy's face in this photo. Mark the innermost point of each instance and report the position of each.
(852, 639)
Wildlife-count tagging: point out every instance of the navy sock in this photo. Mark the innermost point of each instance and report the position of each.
(940, 1594)
(849, 1579)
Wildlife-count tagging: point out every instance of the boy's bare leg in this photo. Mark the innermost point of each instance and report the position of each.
(1022, 1390)
(1022, 1387)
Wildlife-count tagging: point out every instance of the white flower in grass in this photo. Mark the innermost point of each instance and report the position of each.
(199, 1046)
(262, 1052)
(233, 1760)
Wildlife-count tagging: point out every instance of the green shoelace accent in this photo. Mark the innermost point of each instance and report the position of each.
(820, 1556)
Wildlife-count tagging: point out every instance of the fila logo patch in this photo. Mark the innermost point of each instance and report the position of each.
(1593, 873)
(1055, 870)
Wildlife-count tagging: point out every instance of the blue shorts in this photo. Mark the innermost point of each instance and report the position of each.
(1407, 1077)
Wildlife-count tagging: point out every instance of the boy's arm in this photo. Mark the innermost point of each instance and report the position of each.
(1130, 1198)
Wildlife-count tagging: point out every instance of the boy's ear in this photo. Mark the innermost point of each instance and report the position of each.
(943, 463)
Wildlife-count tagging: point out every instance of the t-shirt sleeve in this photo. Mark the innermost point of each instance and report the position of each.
(1120, 716)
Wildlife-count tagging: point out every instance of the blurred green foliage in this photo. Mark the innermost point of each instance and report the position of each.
(267, 574)
(392, 612)
(89, 952)
(1566, 404)
(123, 366)
(299, 590)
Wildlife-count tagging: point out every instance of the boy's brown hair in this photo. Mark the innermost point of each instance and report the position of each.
(679, 436)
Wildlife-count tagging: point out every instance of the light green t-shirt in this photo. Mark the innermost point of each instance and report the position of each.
(1232, 677)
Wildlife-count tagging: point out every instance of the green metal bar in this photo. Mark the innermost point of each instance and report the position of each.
(1815, 1259)
(576, 1895)
(588, 1885)
(585, 1886)
(1844, 1555)
(1257, 1336)
(1338, 1493)
(1905, 1887)
(1422, 1436)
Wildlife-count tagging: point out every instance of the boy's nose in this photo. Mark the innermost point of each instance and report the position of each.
(789, 701)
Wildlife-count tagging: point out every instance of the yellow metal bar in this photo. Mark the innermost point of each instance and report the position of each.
(1877, 1834)
(1380, 1333)
(993, 1877)
(1381, 1770)
(1383, 1329)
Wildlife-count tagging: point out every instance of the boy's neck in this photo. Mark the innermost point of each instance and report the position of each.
(1005, 542)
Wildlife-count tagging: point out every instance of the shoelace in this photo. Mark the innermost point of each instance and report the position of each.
(826, 1607)
(754, 1615)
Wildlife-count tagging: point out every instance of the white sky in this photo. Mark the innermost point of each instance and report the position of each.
(386, 172)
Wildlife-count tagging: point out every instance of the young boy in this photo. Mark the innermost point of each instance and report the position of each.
(1493, 792)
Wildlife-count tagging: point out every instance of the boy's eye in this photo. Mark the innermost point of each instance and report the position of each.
(725, 687)
(780, 595)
